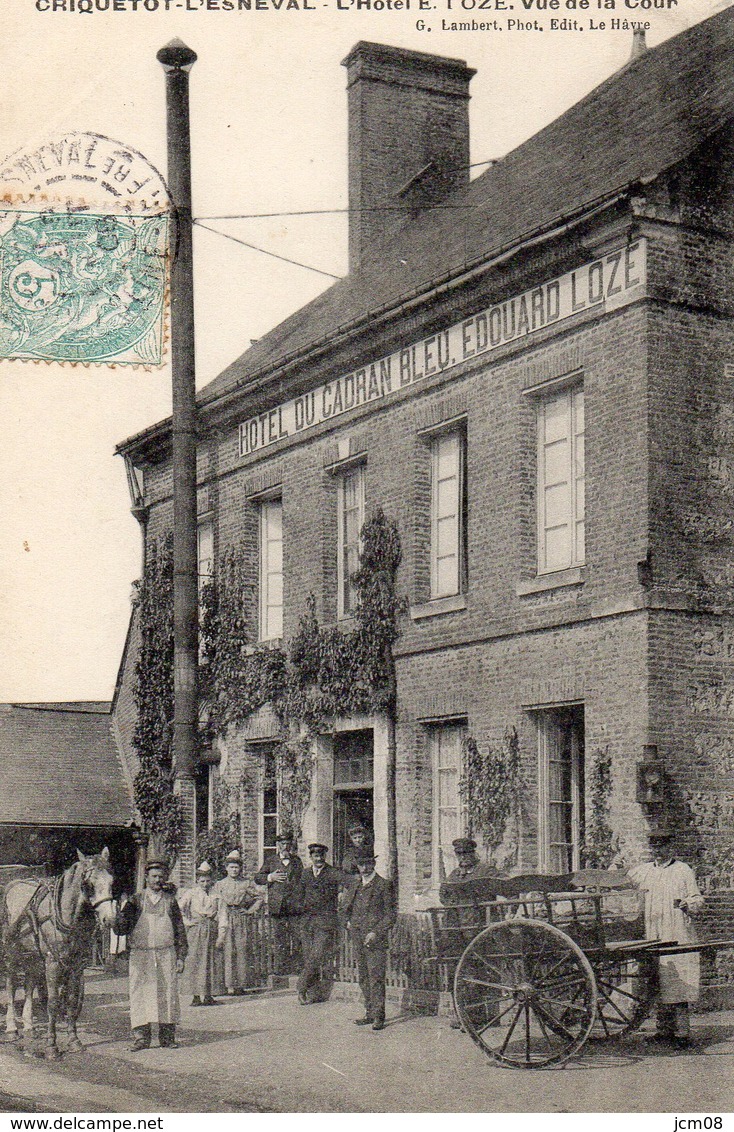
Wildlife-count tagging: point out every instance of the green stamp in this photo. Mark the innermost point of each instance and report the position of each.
(77, 287)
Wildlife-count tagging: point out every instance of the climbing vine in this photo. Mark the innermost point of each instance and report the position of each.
(326, 672)
(294, 771)
(490, 788)
(600, 844)
(153, 692)
(236, 678)
(213, 844)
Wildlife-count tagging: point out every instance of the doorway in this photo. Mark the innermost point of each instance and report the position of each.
(353, 786)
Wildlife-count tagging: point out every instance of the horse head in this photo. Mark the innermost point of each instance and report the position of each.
(96, 885)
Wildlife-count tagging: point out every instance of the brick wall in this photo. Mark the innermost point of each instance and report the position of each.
(644, 640)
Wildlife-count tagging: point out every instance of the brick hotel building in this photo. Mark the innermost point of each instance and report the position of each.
(537, 384)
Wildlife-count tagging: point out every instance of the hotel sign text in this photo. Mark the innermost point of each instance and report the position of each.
(607, 283)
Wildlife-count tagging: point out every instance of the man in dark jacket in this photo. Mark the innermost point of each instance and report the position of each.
(370, 913)
(157, 941)
(462, 892)
(319, 926)
(281, 872)
(471, 881)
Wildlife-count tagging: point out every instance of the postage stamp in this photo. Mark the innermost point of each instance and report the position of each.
(82, 287)
(84, 236)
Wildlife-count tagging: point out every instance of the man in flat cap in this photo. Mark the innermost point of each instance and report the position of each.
(157, 942)
(199, 910)
(370, 913)
(281, 872)
(469, 882)
(466, 879)
(319, 925)
(672, 902)
(237, 898)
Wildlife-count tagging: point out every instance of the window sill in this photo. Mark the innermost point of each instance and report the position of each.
(437, 606)
(270, 643)
(574, 576)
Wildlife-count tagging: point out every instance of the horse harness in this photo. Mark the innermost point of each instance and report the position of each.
(32, 912)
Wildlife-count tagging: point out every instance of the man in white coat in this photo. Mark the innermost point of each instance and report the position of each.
(157, 940)
(672, 900)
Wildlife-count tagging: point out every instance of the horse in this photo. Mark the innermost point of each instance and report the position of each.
(47, 928)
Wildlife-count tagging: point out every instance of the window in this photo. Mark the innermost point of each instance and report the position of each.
(447, 744)
(561, 788)
(203, 796)
(268, 805)
(448, 514)
(205, 552)
(354, 762)
(561, 481)
(351, 520)
(271, 569)
(204, 572)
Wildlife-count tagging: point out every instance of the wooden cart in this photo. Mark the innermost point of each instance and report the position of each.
(543, 964)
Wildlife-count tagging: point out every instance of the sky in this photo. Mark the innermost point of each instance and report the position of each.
(269, 135)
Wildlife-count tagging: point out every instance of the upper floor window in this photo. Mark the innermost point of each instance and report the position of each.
(205, 551)
(271, 569)
(561, 501)
(448, 513)
(350, 496)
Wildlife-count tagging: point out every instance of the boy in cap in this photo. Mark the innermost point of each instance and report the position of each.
(199, 910)
(157, 941)
(360, 838)
(672, 899)
(319, 923)
(236, 899)
(281, 872)
(370, 913)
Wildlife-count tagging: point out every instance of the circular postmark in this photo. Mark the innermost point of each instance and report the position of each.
(84, 235)
(85, 168)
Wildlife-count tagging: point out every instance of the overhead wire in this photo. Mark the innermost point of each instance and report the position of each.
(346, 211)
(200, 222)
(264, 251)
(329, 212)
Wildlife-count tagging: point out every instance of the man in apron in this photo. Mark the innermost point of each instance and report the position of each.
(672, 900)
(157, 942)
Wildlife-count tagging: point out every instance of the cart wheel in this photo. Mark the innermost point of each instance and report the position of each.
(525, 993)
(625, 990)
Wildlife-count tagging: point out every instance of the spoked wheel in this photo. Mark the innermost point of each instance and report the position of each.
(525, 993)
(625, 990)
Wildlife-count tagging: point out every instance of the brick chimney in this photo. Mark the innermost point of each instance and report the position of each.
(408, 139)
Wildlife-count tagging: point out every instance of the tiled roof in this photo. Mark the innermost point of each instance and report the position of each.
(644, 119)
(59, 766)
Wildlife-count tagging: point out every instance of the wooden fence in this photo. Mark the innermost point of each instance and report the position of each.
(411, 957)
(411, 967)
(411, 963)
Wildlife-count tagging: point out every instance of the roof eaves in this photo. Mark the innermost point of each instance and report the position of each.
(438, 286)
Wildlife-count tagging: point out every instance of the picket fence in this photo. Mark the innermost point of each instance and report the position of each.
(411, 966)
